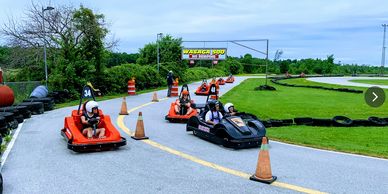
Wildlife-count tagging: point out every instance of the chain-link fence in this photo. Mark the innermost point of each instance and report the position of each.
(22, 90)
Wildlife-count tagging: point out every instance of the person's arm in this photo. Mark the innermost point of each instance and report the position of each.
(83, 120)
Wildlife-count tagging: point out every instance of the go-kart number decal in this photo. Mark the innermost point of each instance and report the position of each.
(203, 128)
(238, 121)
(213, 89)
(87, 93)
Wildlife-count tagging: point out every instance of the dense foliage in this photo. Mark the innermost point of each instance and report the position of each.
(78, 53)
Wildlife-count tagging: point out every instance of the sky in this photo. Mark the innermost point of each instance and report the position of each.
(351, 30)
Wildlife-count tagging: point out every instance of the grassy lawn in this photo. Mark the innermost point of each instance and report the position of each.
(290, 102)
(369, 81)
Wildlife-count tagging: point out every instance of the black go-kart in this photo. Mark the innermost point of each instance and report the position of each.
(243, 130)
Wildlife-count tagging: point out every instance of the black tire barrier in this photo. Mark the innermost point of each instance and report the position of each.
(361, 123)
(47, 102)
(322, 122)
(266, 124)
(4, 131)
(24, 111)
(303, 120)
(265, 87)
(376, 121)
(36, 108)
(12, 123)
(342, 121)
(3, 122)
(287, 122)
(276, 122)
(19, 118)
(59, 96)
(17, 114)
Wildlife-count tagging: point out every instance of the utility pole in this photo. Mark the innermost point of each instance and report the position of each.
(157, 45)
(44, 43)
(383, 54)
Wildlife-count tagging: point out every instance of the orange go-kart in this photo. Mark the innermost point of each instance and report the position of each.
(203, 89)
(230, 79)
(221, 81)
(77, 142)
(182, 117)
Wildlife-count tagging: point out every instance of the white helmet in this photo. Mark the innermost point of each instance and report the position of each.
(227, 106)
(90, 105)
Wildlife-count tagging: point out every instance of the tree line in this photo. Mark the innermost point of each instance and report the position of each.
(79, 51)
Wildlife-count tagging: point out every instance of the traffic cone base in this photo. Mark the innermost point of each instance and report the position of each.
(267, 181)
(139, 138)
(123, 110)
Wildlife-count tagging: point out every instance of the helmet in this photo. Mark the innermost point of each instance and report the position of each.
(90, 105)
(185, 92)
(227, 106)
(212, 104)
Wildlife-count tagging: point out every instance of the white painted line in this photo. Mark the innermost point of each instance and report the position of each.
(330, 151)
(10, 145)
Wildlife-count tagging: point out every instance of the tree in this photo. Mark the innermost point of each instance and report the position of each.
(75, 40)
(169, 51)
(91, 28)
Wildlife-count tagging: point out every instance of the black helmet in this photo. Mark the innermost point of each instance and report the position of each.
(212, 104)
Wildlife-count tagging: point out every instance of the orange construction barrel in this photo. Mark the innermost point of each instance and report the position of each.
(174, 88)
(131, 87)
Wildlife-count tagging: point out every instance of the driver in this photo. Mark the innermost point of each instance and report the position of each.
(229, 109)
(183, 102)
(204, 87)
(213, 116)
(91, 119)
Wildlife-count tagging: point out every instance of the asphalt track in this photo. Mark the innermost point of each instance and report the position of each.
(174, 161)
(345, 81)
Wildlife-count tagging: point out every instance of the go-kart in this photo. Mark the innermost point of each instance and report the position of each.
(203, 89)
(221, 81)
(243, 130)
(181, 117)
(230, 79)
(77, 142)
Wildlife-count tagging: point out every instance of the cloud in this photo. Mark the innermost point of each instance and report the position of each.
(351, 30)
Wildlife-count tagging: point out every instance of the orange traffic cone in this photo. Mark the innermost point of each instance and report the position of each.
(263, 171)
(123, 110)
(155, 97)
(139, 133)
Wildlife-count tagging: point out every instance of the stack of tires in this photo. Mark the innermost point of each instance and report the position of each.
(48, 103)
(36, 108)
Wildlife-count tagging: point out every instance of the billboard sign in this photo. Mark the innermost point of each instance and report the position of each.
(204, 53)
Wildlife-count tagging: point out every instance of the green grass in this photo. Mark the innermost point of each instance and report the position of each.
(369, 81)
(291, 102)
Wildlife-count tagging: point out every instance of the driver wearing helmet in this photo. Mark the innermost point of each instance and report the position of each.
(229, 109)
(204, 87)
(213, 116)
(90, 120)
(183, 103)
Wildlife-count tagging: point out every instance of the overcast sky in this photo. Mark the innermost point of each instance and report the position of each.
(349, 29)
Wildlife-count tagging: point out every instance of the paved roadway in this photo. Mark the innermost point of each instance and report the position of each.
(40, 162)
(345, 81)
